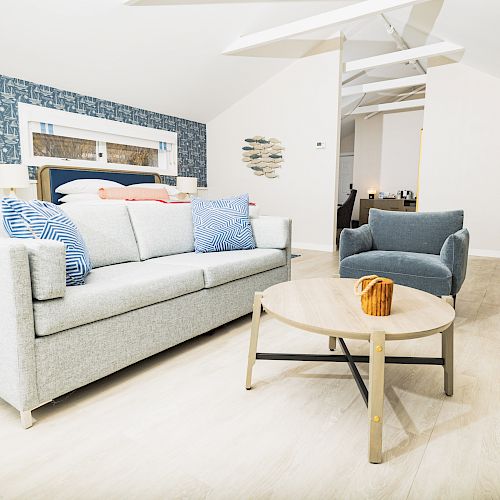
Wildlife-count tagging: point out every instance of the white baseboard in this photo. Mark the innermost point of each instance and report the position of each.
(312, 246)
(478, 252)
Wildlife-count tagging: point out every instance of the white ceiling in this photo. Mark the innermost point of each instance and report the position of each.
(167, 58)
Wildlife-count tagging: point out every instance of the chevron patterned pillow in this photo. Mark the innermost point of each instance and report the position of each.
(43, 220)
(222, 224)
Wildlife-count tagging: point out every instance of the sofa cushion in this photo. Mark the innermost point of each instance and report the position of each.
(222, 267)
(114, 290)
(417, 270)
(422, 232)
(162, 229)
(107, 231)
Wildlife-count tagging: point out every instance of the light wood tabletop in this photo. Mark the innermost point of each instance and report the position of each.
(329, 306)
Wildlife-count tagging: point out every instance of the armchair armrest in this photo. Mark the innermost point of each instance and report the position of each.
(17, 333)
(454, 255)
(353, 241)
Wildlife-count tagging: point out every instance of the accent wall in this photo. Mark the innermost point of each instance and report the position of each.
(191, 135)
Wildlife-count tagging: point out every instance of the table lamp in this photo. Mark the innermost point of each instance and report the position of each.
(187, 185)
(371, 193)
(14, 177)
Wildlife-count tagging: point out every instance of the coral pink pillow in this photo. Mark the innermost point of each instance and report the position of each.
(133, 193)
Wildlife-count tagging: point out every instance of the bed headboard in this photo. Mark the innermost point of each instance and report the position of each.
(50, 177)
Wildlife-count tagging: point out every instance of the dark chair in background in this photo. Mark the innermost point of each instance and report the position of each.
(344, 213)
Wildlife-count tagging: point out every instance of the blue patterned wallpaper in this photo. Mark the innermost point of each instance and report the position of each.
(192, 149)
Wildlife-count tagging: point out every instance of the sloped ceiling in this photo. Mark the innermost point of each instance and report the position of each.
(162, 58)
(167, 58)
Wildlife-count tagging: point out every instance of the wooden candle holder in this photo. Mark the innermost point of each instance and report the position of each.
(376, 295)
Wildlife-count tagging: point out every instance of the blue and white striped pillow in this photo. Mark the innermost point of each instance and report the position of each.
(43, 220)
(222, 224)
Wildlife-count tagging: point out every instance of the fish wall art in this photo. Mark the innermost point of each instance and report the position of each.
(264, 156)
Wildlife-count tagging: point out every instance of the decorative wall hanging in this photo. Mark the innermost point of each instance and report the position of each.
(263, 156)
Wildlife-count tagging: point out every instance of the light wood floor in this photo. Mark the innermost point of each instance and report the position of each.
(181, 425)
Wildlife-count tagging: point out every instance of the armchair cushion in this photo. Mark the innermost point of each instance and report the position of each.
(354, 241)
(417, 270)
(454, 255)
(422, 232)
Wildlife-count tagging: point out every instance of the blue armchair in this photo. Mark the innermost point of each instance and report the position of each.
(427, 251)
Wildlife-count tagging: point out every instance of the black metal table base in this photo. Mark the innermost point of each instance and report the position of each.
(347, 357)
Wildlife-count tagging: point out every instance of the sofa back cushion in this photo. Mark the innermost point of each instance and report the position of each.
(107, 231)
(422, 232)
(162, 228)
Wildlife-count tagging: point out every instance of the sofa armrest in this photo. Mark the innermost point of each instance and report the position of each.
(274, 232)
(17, 332)
(271, 232)
(47, 260)
(353, 241)
(454, 255)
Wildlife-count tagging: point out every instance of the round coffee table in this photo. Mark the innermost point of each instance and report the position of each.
(328, 306)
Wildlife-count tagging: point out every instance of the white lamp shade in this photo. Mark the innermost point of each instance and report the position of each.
(187, 185)
(372, 190)
(14, 176)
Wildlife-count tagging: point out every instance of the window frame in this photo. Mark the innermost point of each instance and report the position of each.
(102, 131)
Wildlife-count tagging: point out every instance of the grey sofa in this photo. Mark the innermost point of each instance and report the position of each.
(427, 251)
(148, 291)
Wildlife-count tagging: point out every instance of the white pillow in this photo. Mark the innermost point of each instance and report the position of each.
(70, 198)
(171, 190)
(85, 186)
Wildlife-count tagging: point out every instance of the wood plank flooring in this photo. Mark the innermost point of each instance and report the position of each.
(182, 425)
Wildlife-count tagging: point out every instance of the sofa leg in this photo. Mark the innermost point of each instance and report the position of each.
(26, 419)
(454, 301)
(332, 343)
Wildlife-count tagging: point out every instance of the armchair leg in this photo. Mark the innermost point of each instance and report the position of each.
(26, 419)
(454, 301)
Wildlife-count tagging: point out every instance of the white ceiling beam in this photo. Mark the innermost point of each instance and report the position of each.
(396, 83)
(343, 15)
(389, 106)
(434, 49)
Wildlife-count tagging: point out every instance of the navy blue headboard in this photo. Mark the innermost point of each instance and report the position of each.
(52, 177)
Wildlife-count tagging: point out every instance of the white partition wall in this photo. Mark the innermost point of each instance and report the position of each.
(299, 106)
(461, 151)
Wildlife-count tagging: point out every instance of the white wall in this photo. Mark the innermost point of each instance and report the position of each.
(367, 157)
(347, 144)
(400, 151)
(386, 153)
(299, 106)
(461, 151)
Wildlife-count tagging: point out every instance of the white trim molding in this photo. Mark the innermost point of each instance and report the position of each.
(98, 129)
(478, 252)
